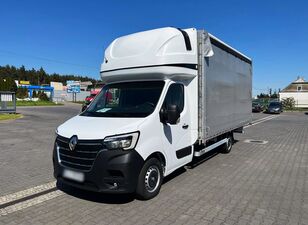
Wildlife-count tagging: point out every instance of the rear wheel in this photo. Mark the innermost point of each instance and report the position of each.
(150, 179)
(226, 148)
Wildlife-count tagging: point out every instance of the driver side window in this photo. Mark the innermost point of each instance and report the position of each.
(175, 96)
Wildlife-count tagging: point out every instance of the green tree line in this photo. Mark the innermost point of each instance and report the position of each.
(37, 77)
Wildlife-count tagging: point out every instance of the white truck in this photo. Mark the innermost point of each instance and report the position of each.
(170, 95)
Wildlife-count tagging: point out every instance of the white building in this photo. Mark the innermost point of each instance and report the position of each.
(298, 90)
(58, 86)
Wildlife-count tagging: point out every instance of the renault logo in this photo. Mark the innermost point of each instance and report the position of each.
(73, 142)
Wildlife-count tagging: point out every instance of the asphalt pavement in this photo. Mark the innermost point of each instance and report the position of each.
(26, 146)
(264, 180)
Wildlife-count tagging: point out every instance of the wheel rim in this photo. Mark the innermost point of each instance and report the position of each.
(152, 178)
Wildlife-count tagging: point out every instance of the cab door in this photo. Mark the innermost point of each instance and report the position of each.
(176, 137)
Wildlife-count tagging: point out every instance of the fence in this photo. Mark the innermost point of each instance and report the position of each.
(60, 96)
(7, 102)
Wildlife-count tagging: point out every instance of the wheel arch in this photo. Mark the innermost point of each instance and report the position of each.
(160, 156)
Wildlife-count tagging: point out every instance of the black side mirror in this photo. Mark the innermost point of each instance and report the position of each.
(84, 107)
(170, 115)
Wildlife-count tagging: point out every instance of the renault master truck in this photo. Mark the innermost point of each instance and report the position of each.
(170, 95)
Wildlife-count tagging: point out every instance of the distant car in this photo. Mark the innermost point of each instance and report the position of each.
(89, 99)
(256, 107)
(274, 107)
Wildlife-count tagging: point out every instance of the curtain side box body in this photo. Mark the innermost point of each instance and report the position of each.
(225, 84)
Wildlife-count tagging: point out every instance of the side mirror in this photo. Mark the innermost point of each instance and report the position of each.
(170, 115)
(84, 107)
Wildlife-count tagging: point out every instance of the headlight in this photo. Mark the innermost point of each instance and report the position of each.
(124, 141)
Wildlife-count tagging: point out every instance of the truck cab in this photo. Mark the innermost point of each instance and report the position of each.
(144, 124)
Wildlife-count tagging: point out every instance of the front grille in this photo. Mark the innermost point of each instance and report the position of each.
(82, 157)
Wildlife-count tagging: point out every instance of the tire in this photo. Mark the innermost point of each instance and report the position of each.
(226, 148)
(150, 179)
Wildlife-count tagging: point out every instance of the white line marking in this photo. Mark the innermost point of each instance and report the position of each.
(265, 120)
(25, 193)
(261, 120)
(30, 202)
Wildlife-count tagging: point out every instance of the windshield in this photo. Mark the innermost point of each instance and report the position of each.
(131, 99)
(274, 104)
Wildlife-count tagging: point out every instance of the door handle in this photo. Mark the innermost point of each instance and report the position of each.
(185, 126)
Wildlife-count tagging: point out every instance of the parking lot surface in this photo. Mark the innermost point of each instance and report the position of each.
(257, 183)
(26, 146)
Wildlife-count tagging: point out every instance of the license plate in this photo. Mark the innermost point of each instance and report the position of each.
(73, 175)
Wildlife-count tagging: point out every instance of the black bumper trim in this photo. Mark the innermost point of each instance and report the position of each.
(110, 167)
(181, 153)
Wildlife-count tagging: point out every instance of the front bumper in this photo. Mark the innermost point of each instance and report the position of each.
(110, 167)
(273, 111)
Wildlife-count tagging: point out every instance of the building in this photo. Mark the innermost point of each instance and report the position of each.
(58, 86)
(298, 89)
(84, 85)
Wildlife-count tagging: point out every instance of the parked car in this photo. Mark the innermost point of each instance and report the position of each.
(256, 107)
(274, 107)
(88, 100)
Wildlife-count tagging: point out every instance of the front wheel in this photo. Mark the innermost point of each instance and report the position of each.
(150, 179)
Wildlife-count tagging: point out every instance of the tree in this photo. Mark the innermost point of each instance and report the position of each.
(34, 94)
(7, 84)
(270, 95)
(274, 95)
(38, 76)
(41, 76)
(262, 95)
(21, 93)
(22, 74)
(288, 103)
(42, 96)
